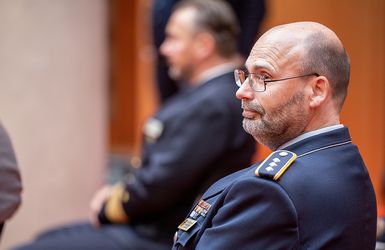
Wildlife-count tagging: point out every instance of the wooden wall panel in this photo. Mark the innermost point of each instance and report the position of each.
(147, 100)
(122, 112)
(132, 93)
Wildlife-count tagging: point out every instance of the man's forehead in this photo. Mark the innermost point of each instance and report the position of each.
(267, 57)
(183, 15)
(254, 65)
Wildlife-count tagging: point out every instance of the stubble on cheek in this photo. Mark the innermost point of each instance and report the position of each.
(279, 125)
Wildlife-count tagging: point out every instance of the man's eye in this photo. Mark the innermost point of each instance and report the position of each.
(263, 77)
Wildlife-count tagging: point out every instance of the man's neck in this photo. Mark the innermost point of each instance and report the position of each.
(310, 134)
(211, 68)
(324, 117)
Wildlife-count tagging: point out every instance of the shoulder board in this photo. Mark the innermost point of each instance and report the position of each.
(275, 164)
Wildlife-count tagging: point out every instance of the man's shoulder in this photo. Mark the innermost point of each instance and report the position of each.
(227, 181)
(224, 83)
(241, 179)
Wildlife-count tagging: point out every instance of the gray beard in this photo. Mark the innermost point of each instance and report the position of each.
(180, 75)
(281, 125)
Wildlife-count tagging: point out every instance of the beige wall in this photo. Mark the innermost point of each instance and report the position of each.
(53, 74)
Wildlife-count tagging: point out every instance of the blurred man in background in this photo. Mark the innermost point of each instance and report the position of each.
(195, 138)
(250, 14)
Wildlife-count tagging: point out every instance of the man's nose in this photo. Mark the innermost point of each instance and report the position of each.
(164, 48)
(245, 92)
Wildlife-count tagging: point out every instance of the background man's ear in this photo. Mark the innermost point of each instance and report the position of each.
(204, 44)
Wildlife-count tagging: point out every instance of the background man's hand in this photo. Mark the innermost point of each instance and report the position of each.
(97, 202)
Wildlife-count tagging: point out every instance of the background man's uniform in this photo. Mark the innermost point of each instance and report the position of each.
(194, 139)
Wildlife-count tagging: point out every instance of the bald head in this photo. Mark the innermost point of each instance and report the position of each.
(318, 50)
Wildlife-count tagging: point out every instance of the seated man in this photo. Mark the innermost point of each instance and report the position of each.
(195, 138)
(314, 191)
(10, 181)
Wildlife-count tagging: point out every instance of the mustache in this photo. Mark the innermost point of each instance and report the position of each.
(253, 106)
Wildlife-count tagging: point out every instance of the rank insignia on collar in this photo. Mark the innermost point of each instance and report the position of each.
(187, 224)
(275, 164)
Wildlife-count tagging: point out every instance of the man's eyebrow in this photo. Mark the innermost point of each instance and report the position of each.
(258, 66)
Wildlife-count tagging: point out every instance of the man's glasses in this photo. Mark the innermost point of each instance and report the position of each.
(258, 82)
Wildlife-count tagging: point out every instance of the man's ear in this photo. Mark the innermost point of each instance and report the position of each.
(204, 45)
(320, 91)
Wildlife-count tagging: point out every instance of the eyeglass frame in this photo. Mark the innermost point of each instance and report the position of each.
(239, 83)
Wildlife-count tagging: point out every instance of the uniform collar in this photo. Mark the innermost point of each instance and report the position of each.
(310, 134)
(216, 71)
(330, 138)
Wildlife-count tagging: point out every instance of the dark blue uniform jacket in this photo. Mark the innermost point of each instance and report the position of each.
(324, 200)
(195, 139)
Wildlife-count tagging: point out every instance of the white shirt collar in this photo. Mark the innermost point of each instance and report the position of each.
(216, 71)
(310, 134)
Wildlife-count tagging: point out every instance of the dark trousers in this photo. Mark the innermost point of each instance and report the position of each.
(83, 236)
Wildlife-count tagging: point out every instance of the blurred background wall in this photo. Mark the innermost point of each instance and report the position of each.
(76, 84)
(53, 99)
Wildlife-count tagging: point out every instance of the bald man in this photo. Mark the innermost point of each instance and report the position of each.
(313, 191)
